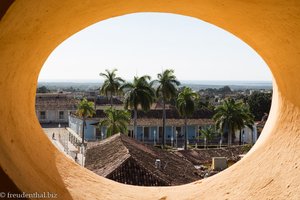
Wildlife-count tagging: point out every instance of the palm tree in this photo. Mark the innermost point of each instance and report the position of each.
(139, 93)
(85, 109)
(111, 84)
(116, 121)
(186, 107)
(167, 88)
(208, 134)
(231, 116)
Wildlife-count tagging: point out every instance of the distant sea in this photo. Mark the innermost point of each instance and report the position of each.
(235, 85)
(196, 85)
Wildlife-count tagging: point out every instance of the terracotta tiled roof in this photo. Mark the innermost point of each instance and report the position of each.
(169, 122)
(55, 101)
(106, 157)
(159, 106)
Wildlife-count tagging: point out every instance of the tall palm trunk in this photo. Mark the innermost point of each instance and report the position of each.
(83, 124)
(111, 99)
(164, 124)
(240, 141)
(135, 123)
(229, 137)
(185, 133)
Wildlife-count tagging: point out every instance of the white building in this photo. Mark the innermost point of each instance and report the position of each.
(247, 135)
(54, 107)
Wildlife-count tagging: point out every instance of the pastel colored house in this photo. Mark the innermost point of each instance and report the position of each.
(149, 130)
(54, 107)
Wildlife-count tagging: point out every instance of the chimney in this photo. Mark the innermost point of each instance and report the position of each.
(157, 164)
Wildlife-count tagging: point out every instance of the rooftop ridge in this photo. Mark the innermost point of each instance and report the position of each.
(110, 157)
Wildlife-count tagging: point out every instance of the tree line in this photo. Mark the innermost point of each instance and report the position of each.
(142, 92)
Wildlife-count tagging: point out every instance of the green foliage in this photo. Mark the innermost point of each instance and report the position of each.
(186, 106)
(232, 116)
(112, 84)
(213, 91)
(139, 93)
(204, 105)
(209, 133)
(85, 108)
(225, 90)
(167, 85)
(42, 89)
(259, 103)
(186, 102)
(116, 121)
(166, 90)
(246, 148)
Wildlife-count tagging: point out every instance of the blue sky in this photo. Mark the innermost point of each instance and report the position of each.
(147, 43)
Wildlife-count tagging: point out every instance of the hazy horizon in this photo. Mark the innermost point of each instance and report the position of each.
(182, 81)
(195, 85)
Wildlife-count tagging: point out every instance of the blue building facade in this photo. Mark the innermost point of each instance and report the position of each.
(149, 131)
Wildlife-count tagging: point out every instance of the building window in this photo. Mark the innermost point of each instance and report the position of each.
(98, 133)
(146, 133)
(42, 115)
(61, 115)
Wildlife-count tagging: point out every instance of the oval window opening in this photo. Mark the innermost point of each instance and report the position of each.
(154, 99)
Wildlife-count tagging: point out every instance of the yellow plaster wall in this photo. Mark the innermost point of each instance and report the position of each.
(31, 29)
